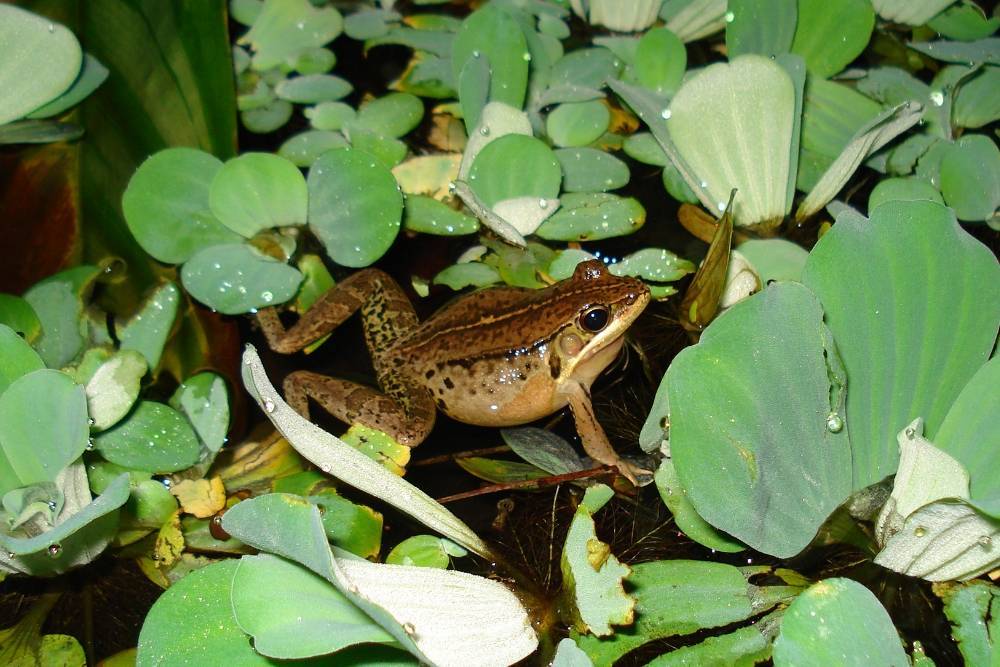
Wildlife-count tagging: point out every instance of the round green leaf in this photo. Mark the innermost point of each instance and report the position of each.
(970, 177)
(58, 302)
(838, 622)
(643, 147)
(514, 166)
(764, 27)
(742, 428)
(687, 519)
(660, 61)
(267, 118)
(154, 437)
(305, 147)
(28, 78)
(313, 88)
(829, 35)
(258, 191)
(315, 60)
(591, 170)
(965, 22)
(18, 314)
(204, 400)
(492, 32)
(355, 206)
(430, 216)
(420, 551)
(146, 332)
(585, 68)
(368, 23)
(235, 278)
(590, 216)
(330, 115)
(192, 622)
(944, 296)
(43, 426)
(113, 388)
(653, 264)
(977, 102)
(284, 28)
(905, 189)
(467, 274)
(774, 259)
(392, 115)
(92, 74)
(166, 205)
(565, 262)
(577, 123)
(17, 358)
(293, 613)
(387, 150)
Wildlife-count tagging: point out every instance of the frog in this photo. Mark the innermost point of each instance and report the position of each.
(496, 357)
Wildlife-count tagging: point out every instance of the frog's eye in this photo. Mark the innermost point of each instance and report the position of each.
(594, 319)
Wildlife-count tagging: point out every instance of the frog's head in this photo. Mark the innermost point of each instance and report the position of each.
(600, 306)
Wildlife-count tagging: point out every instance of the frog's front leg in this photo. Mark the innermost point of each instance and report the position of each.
(595, 441)
(405, 410)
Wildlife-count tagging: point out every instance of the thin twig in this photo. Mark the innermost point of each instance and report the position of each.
(540, 483)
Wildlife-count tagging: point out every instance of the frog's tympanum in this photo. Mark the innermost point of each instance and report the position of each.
(500, 356)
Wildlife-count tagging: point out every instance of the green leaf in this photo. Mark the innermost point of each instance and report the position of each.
(653, 264)
(711, 135)
(193, 622)
(774, 259)
(569, 655)
(577, 123)
(284, 27)
(911, 12)
(258, 191)
(153, 437)
(514, 166)
(965, 22)
(764, 27)
(146, 332)
(742, 466)
(421, 551)
(30, 81)
(542, 449)
(642, 146)
(829, 36)
(58, 302)
(492, 32)
(204, 400)
(393, 115)
(305, 147)
(390, 152)
(166, 205)
(43, 427)
(592, 575)
(351, 527)
(313, 88)
(660, 61)
(967, 53)
(675, 597)
(747, 646)
(902, 189)
(113, 388)
(584, 68)
(430, 216)
(947, 278)
(293, 613)
(973, 625)
(686, 516)
(314, 60)
(17, 313)
(694, 19)
(970, 177)
(235, 278)
(977, 102)
(267, 118)
(856, 628)
(368, 23)
(16, 357)
(92, 74)
(467, 274)
(355, 206)
(499, 471)
(590, 216)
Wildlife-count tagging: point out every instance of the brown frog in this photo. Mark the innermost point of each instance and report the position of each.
(500, 356)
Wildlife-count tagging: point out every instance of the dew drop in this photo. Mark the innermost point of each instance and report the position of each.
(52, 27)
(55, 550)
(730, 17)
(834, 423)
(409, 628)
(985, 541)
(268, 405)
(485, 131)
(919, 531)
(937, 98)
(476, 54)
(542, 203)
(665, 114)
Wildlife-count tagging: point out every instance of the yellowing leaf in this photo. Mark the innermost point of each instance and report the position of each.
(200, 497)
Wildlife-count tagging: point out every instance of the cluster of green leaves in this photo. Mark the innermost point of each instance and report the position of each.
(72, 422)
(39, 88)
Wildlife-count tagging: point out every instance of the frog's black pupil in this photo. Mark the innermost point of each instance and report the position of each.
(596, 319)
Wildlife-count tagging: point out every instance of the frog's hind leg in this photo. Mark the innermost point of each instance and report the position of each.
(408, 421)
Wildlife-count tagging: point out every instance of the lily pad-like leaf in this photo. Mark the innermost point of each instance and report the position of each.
(393, 115)
(741, 431)
(587, 68)
(284, 27)
(591, 170)
(235, 278)
(496, 120)
(58, 301)
(590, 216)
(146, 332)
(905, 189)
(968, 608)
(491, 32)
(911, 12)
(497, 471)
(313, 88)
(653, 264)
(686, 516)
(543, 449)
(971, 433)
(947, 539)
(43, 427)
(774, 259)
(514, 166)
(339, 459)
(17, 313)
(430, 216)
(258, 191)
(467, 274)
(166, 205)
(660, 61)
(965, 21)
(369, 23)
(30, 81)
(525, 214)
(829, 36)
(577, 123)
(764, 27)
(948, 277)
(114, 387)
(154, 437)
(330, 115)
(977, 102)
(592, 575)
(738, 138)
(92, 74)
(267, 118)
(355, 206)
(968, 53)
(293, 613)
(303, 149)
(424, 551)
(970, 177)
(856, 628)
(204, 400)
(17, 358)
(880, 131)
(694, 19)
